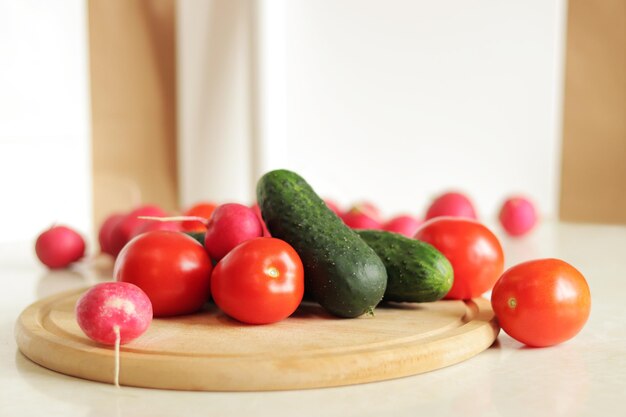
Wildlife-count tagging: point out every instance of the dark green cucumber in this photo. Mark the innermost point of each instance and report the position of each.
(198, 236)
(416, 271)
(341, 272)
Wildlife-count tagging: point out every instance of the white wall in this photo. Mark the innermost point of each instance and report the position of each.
(45, 172)
(391, 101)
(397, 100)
(214, 148)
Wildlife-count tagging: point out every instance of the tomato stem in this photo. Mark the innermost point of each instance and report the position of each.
(512, 302)
(273, 272)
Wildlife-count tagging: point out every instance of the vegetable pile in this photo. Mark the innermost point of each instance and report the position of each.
(256, 263)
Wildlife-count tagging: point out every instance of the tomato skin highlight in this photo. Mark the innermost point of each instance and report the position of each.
(542, 302)
(260, 281)
(473, 250)
(172, 269)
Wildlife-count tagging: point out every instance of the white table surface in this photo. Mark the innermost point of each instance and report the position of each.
(582, 377)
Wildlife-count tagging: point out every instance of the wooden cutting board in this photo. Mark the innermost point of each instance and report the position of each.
(210, 352)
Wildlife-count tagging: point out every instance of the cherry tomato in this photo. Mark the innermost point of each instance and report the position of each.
(542, 302)
(200, 210)
(172, 268)
(258, 282)
(473, 250)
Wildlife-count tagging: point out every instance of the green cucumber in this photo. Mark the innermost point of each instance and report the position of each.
(198, 236)
(416, 271)
(341, 272)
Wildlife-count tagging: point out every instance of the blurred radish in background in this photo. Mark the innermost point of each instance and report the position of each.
(59, 246)
(518, 216)
(453, 204)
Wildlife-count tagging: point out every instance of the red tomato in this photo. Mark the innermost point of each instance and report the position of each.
(172, 268)
(258, 282)
(472, 249)
(542, 302)
(200, 210)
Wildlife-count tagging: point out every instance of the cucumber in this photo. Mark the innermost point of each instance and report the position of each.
(341, 272)
(416, 271)
(198, 236)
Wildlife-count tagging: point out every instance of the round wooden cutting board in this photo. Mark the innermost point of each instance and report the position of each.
(210, 352)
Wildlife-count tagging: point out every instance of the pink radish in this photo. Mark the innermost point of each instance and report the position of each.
(122, 232)
(106, 229)
(59, 246)
(257, 211)
(110, 305)
(114, 313)
(333, 206)
(451, 204)
(518, 216)
(230, 225)
(369, 209)
(153, 226)
(357, 219)
(404, 224)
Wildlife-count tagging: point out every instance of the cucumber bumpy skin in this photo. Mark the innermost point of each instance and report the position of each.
(416, 270)
(341, 272)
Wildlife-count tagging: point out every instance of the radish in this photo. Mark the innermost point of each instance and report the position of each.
(114, 313)
(59, 246)
(230, 225)
(517, 216)
(404, 224)
(451, 204)
(123, 230)
(110, 305)
(257, 211)
(357, 219)
(153, 226)
(369, 209)
(107, 227)
(333, 206)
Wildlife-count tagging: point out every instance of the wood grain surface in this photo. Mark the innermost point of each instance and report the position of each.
(132, 48)
(210, 352)
(593, 178)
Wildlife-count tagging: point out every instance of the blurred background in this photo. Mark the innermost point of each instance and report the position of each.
(105, 104)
